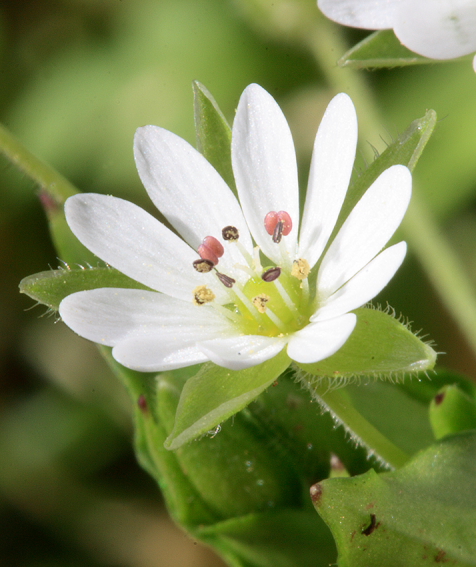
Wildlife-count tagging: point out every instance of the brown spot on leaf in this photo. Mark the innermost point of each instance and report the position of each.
(439, 398)
(372, 526)
(440, 557)
(316, 493)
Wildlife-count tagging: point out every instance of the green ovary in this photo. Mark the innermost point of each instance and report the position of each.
(290, 319)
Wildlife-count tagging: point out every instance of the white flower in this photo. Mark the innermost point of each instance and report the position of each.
(438, 29)
(239, 313)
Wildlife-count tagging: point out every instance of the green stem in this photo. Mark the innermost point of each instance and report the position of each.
(49, 180)
(361, 431)
(432, 249)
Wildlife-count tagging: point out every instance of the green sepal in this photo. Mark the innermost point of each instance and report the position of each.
(380, 346)
(405, 150)
(50, 288)
(214, 394)
(379, 50)
(452, 411)
(213, 133)
(423, 514)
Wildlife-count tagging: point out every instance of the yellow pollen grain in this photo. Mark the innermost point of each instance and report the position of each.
(300, 269)
(202, 294)
(260, 302)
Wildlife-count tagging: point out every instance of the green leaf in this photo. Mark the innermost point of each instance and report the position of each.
(452, 411)
(214, 394)
(213, 133)
(50, 288)
(381, 49)
(380, 345)
(423, 514)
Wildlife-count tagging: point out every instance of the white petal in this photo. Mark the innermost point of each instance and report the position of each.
(474, 63)
(367, 229)
(367, 14)
(111, 315)
(331, 168)
(134, 242)
(156, 353)
(320, 340)
(188, 191)
(440, 30)
(365, 285)
(265, 168)
(242, 351)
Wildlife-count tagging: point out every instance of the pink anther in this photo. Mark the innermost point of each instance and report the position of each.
(211, 249)
(278, 224)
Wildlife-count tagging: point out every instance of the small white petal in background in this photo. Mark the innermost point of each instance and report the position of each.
(437, 29)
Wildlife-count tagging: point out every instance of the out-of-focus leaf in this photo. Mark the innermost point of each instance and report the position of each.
(379, 346)
(50, 288)
(213, 133)
(381, 49)
(300, 428)
(214, 394)
(452, 411)
(423, 514)
(402, 418)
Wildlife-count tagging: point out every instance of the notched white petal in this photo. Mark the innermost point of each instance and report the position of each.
(157, 353)
(239, 352)
(186, 189)
(365, 285)
(109, 316)
(331, 168)
(367, 14)
(264, 163)
(367, 229)
(322, 339)
(439, 30)
(134, 242)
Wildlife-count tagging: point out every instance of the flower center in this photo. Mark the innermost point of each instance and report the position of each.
(272, 301)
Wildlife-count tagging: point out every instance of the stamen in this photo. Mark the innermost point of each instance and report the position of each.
(203, 266)
(276, 320)
(256, 261)
(271, 274)
(245, 269)
(211, 249)
(260, 302)
(232, 315)
(285, 296)
(246, 302)
(202, 294)
(230, 233)
(278, 225)
(301, 269)
(225, 280)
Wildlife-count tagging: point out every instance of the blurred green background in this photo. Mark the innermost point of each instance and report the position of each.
(77, 78)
